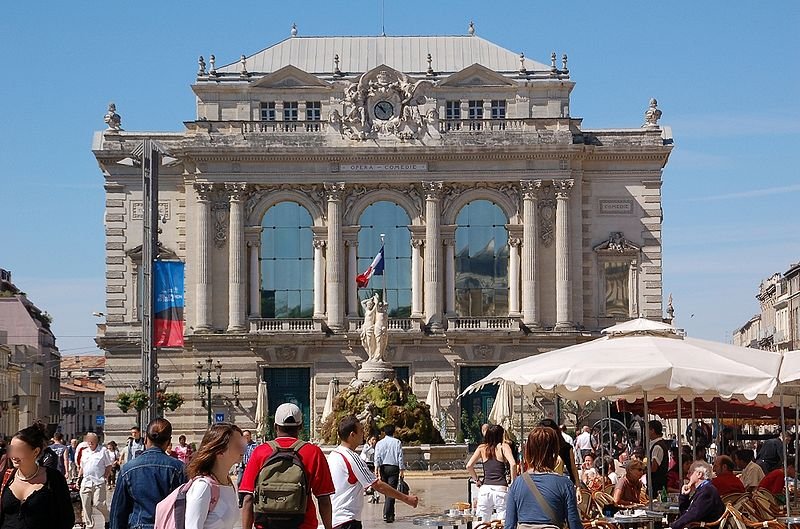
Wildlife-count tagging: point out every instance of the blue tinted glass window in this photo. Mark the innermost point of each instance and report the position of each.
(287, 262)
(390, 219)
(481, 260)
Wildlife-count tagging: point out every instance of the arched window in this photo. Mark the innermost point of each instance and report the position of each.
(481, 260)
(391, 220)
(287, 262)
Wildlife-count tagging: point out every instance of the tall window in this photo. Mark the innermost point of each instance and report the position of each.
(390, 219)
(268, 111)
(287, 262)
(452, 114)
(481, 260)
(313, 111)
(290, 111)
(475, 113)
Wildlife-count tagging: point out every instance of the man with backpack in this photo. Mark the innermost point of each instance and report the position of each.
(281, 477)
(58, 447)
(351, 476)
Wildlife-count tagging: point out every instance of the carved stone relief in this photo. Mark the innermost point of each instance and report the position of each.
(285, 353)
(257, 193)
(483, 352)
(547, 214)
(219, 212)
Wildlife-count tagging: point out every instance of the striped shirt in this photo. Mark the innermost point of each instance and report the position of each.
(389, 451)
(348, 500)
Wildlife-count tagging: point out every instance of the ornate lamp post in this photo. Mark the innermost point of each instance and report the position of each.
(208, 383)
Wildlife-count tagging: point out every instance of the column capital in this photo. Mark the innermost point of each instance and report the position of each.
(530, 188)
(448, 241)
(236, 191)
(417, 243)
(351, 243)
(320, 244)
(432, 189)
(334, 190)
(204, 191)
(563, 187)
(514, 242)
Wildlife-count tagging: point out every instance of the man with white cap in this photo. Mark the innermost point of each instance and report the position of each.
(288, 423)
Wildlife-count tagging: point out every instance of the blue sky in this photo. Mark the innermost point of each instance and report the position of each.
(725, 74)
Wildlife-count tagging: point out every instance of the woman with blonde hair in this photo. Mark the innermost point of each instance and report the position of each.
(496, 456)
(211, 501)
(542, 497)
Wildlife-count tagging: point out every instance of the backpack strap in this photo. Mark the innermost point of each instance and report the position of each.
(214, 492)
(351, 476)
(546, 509)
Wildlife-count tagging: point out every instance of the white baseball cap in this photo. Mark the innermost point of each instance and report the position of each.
(288, 414)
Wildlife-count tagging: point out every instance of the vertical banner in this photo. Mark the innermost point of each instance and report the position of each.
(167, 304)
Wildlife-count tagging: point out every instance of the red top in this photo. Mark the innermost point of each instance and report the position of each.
(773, 482)
(317, 472)
(728, 484)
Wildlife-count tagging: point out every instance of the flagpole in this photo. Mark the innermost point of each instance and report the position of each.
(384, 271)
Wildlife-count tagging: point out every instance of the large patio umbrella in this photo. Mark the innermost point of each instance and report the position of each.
(262, 410)
(644, 359)
(434, 402)
(503, 407)
(333, 389)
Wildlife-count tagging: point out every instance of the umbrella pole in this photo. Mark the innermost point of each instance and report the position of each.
(694, 434)
(719, 429)
(602, 439)
(785, 454)
(648, 451)
(521, 416)
(680, 444)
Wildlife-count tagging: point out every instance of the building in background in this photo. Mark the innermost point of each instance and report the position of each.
(777, 326)
(9, 390)
(510, 228)
(33, 347)
(82, 395)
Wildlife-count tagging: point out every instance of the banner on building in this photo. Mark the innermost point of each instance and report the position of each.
(168, 304)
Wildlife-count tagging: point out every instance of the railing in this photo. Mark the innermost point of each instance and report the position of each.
(473, 125)
(283, 126)
(284, 325)
(395, 324)
(483, 324)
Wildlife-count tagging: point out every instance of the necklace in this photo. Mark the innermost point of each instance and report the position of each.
(23, 477)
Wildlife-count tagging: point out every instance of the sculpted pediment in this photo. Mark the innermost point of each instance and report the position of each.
(477, 75)
(290, 77)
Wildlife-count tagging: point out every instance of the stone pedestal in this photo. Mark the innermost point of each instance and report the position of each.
(372, 370)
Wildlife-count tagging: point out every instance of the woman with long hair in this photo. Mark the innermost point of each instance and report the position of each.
(565, 463)
(209, 469)
(496, 456)
(33, 496)
(542, 496)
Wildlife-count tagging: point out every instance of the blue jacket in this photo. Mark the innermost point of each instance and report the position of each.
(144, 482)
(704, 506)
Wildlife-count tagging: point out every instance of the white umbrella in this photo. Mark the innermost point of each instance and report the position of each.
(262, 410)
(664, 364)
(333, 389)
(640, 326)
(503, 407)
(435, 404)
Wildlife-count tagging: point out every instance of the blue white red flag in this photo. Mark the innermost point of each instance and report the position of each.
(167, 304)
(374, 269)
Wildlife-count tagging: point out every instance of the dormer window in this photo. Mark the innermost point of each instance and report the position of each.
(313, 111)
(498, 109)
(268, 111)
(475, 114)
(290, 110)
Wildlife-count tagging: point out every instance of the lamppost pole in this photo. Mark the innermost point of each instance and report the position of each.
(205, 385)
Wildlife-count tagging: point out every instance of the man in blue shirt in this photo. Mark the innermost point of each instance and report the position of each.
(389, 464)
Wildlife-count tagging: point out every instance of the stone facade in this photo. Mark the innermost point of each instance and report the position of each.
(777, 326)
(581, 210)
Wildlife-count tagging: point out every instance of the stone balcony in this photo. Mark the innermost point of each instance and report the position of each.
(498, 323)
(284, 325)
(396, 325)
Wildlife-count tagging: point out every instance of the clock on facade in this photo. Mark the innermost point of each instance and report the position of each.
(383, 110)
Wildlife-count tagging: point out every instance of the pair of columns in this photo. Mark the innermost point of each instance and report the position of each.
(334, 268)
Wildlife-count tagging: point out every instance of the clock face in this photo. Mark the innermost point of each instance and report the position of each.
(384, 110)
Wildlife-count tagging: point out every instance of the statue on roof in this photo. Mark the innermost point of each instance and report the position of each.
(112, 119)
(652, 115)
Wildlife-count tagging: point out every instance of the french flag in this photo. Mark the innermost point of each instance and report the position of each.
(374, 269)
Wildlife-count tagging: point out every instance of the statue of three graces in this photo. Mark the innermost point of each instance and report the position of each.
(375, 329)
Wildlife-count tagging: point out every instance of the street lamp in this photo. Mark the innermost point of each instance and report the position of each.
(208, 383)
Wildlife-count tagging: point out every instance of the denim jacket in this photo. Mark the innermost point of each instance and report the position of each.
(143, 483)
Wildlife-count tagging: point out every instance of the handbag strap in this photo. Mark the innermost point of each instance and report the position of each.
(548, 511)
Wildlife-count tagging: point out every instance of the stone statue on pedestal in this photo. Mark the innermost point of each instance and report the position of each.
(374, 339)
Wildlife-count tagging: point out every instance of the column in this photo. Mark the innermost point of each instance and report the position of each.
(530, 295)
(203, 277)
(319, 278)
(335, 266)
(352, 271)
(416, 277)
(236, 259)
(450, 277)
(433, 288)
(255, 278)
(513, 276)
(563, 285)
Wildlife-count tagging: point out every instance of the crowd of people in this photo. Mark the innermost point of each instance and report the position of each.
(286, 483)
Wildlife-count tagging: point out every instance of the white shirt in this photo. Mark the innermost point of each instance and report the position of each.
(656, 451)
(389, 451)
(583, 441)
(348, 500)
(198, 500)
(752, 474)
(94, 465)
(568, 438)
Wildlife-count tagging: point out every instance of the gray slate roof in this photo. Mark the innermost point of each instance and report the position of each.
(406, 54)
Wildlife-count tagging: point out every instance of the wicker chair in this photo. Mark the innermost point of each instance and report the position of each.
(728, 520)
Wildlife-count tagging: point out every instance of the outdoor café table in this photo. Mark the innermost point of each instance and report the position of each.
(669, 510)
(651, 520)
(445, 520)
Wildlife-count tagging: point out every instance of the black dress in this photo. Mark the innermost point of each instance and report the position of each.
(49, 507)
